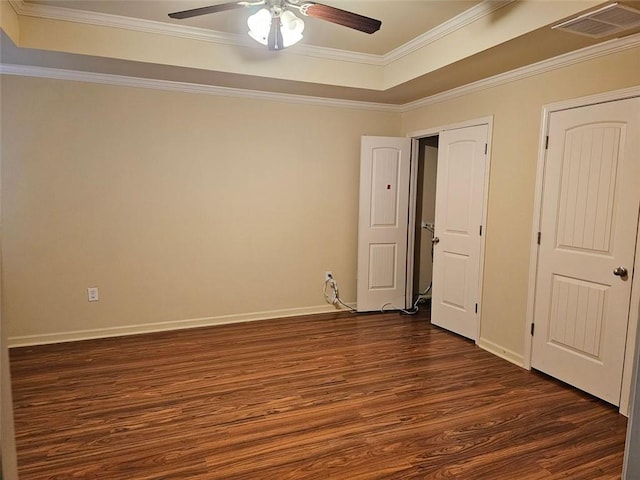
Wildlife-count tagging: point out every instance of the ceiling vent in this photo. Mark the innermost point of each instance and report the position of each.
(606, 21)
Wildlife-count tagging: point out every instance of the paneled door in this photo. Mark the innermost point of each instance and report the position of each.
(383, 222)
(460, 180)
(588, 227)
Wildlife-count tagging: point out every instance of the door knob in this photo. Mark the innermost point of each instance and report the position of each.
(435, 240)
(620, 272)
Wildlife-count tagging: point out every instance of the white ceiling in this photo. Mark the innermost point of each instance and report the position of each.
(424, 46)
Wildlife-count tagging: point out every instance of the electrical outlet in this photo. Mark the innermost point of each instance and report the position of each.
(92, 294)
(428, 225)
(327, 276)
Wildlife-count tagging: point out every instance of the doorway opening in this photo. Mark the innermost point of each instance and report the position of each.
(395, 266)
(424, 231)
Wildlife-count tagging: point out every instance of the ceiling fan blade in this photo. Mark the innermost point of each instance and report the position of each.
(195, 12)
(274, 40)
(341, 17)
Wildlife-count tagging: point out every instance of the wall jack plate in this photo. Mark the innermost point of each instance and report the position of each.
(92, 294)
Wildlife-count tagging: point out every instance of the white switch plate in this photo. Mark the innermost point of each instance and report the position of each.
(92, 294)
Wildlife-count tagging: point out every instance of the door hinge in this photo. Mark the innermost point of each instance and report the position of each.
(539, 237)
(476, 308)
(533, 327)
(546, 143)
(480, 230)
(486, 147)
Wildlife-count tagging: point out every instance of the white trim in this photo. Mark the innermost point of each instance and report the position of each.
(195, 33)
(533, 252)
(181, 31)
(611, 96)
(632, 332)
(72, 336)
(411, 236)
(501, 352)
(121, 80)
(430, 132)
(485, 208)
(603, 97)
(544, 66)
(51, 12)
(446, 28)
(482, 9)
(334, 54)
(561, 61)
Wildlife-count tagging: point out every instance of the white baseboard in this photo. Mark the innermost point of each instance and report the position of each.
(48, 338)
(501, 352)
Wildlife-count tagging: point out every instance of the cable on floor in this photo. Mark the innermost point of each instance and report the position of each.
(402, 310)
(414, 309)
(335, 298)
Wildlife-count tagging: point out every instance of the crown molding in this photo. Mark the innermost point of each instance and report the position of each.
(51, 12)
(195, 33)
(182, 31)
(561, 61)
(446, 28)
(184, 87)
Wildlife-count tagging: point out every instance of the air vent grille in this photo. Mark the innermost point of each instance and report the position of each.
(606, 21)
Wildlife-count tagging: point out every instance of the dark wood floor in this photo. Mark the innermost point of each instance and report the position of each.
(335, 396)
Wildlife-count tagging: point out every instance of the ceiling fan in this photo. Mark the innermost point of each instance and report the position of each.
(277, 27)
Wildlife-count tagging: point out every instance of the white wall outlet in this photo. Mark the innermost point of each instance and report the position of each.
(327, 276)
(92, 294)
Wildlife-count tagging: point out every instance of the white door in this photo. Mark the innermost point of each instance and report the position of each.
(588, 225)
(383, 222)
(462, 161)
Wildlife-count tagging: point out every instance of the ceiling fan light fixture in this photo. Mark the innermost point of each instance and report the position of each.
(287, 28)
(292, 28)
(260, 24)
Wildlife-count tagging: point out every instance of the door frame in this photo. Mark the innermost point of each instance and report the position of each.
(416, 136)
(632, 326)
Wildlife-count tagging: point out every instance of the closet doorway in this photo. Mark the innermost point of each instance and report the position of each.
(424, 231)
(391, 249)
(458, 225)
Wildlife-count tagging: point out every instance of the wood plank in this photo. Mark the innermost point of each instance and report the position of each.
(328, 396)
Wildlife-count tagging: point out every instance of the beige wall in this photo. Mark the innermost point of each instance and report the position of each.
(181, 206)
(177, 206)
(516, 108)
(8, 460)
